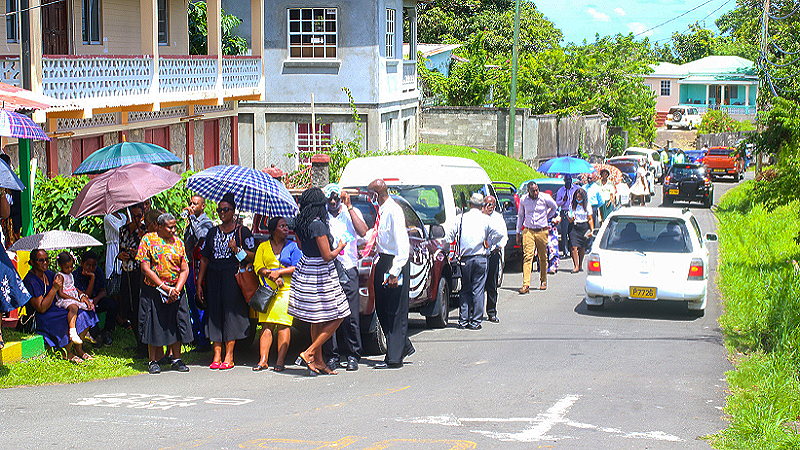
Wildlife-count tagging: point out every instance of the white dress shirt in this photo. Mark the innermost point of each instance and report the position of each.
(341, 226)
(393, 235)
(475, 230)
(498, 222)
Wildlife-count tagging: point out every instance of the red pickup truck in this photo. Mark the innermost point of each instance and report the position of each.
(724, 161)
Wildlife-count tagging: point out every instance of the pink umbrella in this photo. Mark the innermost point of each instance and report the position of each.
(122, 187)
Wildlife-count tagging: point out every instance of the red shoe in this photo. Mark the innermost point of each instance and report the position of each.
(214, 365)
(225, 366)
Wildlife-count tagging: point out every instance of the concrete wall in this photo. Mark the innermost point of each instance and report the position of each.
(720, 139)
(537, 138)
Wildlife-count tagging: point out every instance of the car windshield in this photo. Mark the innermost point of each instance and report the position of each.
(624, 166)
(646, 234)
(427, 201)
(720, 151)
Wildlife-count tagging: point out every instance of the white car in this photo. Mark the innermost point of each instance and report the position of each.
(683, 117)
(653, 157)
(649, 254)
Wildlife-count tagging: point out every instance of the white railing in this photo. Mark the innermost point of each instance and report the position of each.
(409, 74)
(9, 71)
(241, 72)
(730, 109)
(186, 74)
(67, 78)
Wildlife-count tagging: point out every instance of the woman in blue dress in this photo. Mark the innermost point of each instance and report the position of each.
(12, 292)
(51, 321)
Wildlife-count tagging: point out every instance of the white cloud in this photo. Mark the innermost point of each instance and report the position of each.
(620, 12)
(638, 27)
(597, 15)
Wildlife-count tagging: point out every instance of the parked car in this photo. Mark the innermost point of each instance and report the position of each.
(695, 156)
(549, 186)
(653, 158)
(650, 254)
(724, 161)
(688, 182)
(508, 202)
(683, 117)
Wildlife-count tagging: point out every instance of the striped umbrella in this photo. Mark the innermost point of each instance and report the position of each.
(19, 126)
(118, 155)
(253, 190)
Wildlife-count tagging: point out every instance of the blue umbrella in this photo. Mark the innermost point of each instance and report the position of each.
(253, 190)
(118, 155)
(9, 179)
(566, 165)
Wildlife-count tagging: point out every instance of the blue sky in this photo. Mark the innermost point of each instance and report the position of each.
(581, 19)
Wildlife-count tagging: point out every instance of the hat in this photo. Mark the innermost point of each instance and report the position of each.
(228, 198)
(476, 199)
(331, 188)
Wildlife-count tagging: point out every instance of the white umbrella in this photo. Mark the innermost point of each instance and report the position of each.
(55, 240)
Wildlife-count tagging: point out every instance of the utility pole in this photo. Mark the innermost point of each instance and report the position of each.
(24, 146)
(512, 112)
(761, 99)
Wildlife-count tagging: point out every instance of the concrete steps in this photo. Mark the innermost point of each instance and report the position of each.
(661, 118)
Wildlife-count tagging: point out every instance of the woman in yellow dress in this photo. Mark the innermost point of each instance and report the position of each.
(275, 262)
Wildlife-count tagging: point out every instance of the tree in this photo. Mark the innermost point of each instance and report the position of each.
(198, 32)
(695, 44)
(469, 80)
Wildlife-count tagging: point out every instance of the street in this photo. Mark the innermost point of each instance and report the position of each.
(551, 374)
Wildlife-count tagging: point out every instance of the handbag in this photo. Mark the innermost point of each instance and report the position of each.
(114, 283)
(247, 278)
(263, 297)
(27, 322)
(455, 263)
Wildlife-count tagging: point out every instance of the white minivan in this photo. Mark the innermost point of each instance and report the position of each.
(437, 187)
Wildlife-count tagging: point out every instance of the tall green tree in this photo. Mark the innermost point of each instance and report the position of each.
(698, 42)
(198, 32)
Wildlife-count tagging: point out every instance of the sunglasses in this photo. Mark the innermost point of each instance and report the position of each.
(42, 259)
(224, 210)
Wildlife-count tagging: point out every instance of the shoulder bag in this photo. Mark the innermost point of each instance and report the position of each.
(246, 277)
(455, 263)
(115, 280)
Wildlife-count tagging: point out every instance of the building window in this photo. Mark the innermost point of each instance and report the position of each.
(406, 131)
(163, 23)
(387, 134)
(390, 27)
(666, 87)
(91, 22)
(12, 33)
(312, 33)
(305, 141)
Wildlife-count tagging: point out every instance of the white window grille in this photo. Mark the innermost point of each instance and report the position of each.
(666, 88)
(390, 29)
(306, 147)
(312, 33)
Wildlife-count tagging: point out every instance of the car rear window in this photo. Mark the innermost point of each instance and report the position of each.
(720, 151)
(646, 234)
(683, 171)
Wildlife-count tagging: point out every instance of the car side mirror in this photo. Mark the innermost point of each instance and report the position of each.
(437, 232)
(711, 237)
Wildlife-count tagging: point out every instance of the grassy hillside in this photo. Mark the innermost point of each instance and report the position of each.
(499, 167)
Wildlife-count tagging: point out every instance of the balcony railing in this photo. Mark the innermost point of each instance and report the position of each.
(409, 75)
(730, 109)
(91, 77)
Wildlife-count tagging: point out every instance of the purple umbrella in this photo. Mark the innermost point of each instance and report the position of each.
(22, 127)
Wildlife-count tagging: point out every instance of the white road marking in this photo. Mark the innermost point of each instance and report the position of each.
(540, 425)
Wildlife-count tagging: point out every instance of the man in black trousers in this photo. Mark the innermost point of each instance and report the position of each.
(392, 274)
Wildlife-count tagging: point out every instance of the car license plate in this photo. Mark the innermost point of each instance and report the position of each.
(719, 170)
(644, 293)
(673, 192)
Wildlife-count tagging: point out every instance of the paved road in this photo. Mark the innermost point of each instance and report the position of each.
(551, 375)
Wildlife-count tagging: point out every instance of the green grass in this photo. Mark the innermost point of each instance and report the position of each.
(109, 362)
(759, 282)
(498, 167)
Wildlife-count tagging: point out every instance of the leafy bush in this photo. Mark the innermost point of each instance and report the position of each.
(52, 201)
(778, 186)
(716, 121)
(616, 145)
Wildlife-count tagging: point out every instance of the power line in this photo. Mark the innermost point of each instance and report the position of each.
(14, 13)
(673, 19)
(701, 20)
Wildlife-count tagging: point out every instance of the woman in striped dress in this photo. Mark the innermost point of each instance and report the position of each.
(316, 296)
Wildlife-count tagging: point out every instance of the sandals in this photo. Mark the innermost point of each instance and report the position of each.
(226, 366)
(75, 360)
(87, 357)
(279, 368)
(259, 367)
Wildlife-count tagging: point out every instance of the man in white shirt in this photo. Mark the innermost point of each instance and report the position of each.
(346, 223)
(474, 235)
(496, 254)
(392, 274)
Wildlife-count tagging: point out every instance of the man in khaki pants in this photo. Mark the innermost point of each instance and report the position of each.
(535, 209)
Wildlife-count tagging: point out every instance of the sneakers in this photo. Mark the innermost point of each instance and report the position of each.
(179, 366)
(105, 339)
(153, 368)
(73, 336)
(166, 360)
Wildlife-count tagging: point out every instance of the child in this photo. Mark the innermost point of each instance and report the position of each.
(69, 297)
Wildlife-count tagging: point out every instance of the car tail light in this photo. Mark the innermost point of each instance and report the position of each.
(696, 269)
(666, 179)
(516, 200)
(593, 266)
(707, 180)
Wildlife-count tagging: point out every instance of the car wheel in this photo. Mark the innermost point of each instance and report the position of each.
(443, 300)
(669, 127)
(374, 343)
(668, 200)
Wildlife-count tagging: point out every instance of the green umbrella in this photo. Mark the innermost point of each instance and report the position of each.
(124, 153)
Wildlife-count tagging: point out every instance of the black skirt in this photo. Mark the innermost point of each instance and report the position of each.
(227, 315)
(162, 323)
(578, 234)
